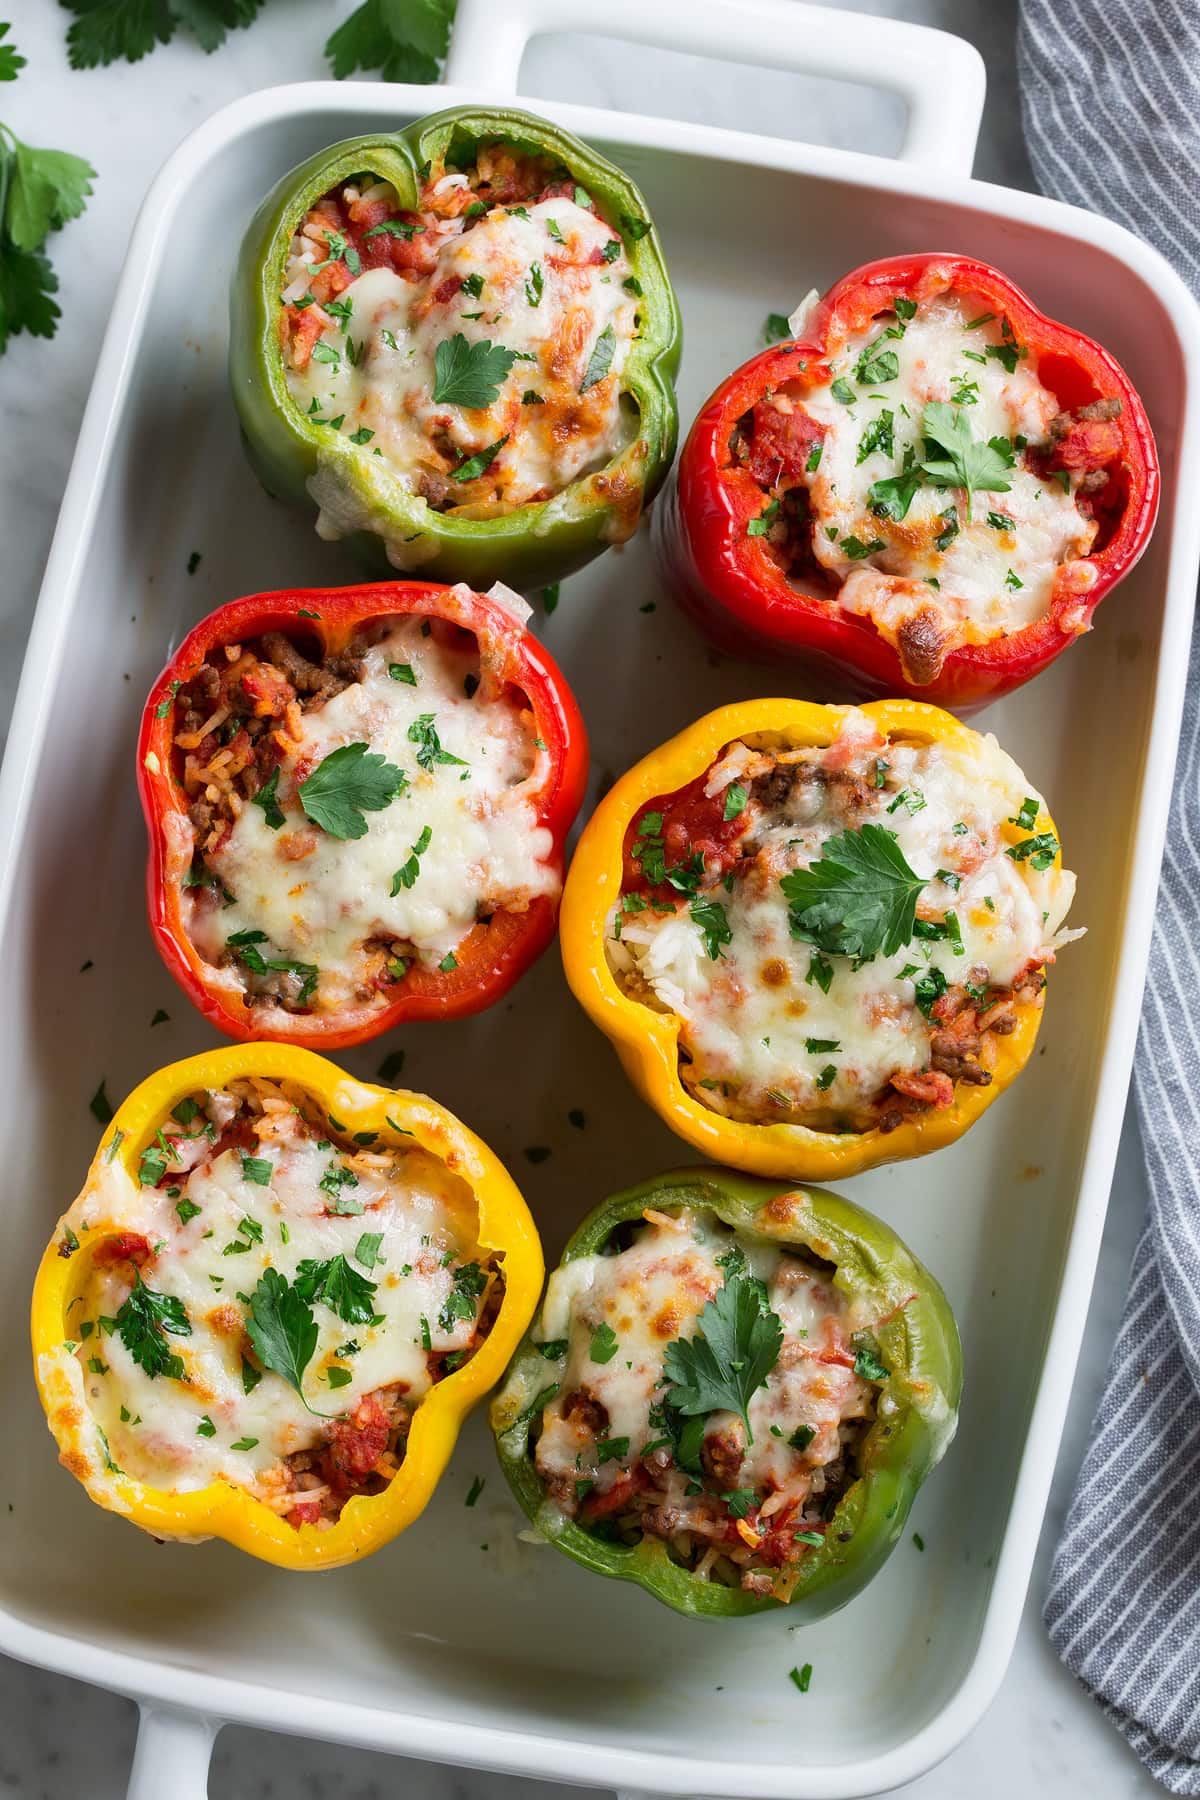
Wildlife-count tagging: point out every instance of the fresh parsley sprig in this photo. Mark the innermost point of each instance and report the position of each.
(339, 1287)
(404, 40)
(40, 191)
(349, 782)
(966, 462)
(281, 1328)
(143, 1320)
(106, 30)
(471, 375)
(858, 898)
(737, 1343)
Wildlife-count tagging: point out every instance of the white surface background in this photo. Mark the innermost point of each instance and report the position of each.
(59, 1740)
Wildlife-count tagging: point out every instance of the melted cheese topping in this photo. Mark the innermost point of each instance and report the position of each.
(652, 1293)
(765, 1040)
(538, 286)
(319, 898)
(232, 1228)
(997, 573)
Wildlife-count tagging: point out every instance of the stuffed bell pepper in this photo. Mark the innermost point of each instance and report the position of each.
(459, 342)
(818, 936)
(276, 1298)
(928, 491)
(731, 1395)
(356, 801)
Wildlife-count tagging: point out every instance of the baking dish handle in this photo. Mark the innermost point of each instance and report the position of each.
(172, 1755)
(941, 77)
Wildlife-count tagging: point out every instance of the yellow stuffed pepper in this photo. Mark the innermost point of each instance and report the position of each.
(818, 935)
(273, 1303)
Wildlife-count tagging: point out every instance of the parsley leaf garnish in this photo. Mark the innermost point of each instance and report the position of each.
(858, 898)
(423, 733)
(968, 463)
(892, 497)
(466, 374)
(142, 1322)
(472, 467)
(406, 875)
(600, 360)
(404, 43)
(109, 29)
(11, 60)
(268, 798)
(339, 1287)
(349, 782)
(713, 921)
(281, 1328)
(737, 1344)
(462, 1300)
(42, 190)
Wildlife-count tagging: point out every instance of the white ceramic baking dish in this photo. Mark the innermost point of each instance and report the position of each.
(461, 1642)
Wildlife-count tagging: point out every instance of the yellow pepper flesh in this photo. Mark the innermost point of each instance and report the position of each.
(647, 1042)
(222, 1509)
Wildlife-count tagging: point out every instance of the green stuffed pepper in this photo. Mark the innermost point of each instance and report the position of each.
(731, 1394)
(459, 341)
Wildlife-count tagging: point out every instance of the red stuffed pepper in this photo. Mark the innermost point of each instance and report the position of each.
(929, 491)
(357, 800)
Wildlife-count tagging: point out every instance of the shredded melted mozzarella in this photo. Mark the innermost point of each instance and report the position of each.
(756, 1022)
(542, 296)
(158, 1428)
(993, 577)
(652, 1293)
(319, 898)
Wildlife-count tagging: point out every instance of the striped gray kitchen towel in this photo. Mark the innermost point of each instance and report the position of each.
(1111, 99)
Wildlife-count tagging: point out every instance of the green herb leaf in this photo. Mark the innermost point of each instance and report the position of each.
(736, 798)
(349, 782)
(1039, 851)
(405, 877)
(892, 497)
(736, 1345)
(967, 463)
(11, 60)
(475, 466)
(258, 1169)
(604, 1344)
(868, 1365)
(776, 328)
(713, 921)
(462, 1302)
(107, 30)
(467, 374)
(801, 1677)
(600, 360)
(858, 898)
(281, 1328)
(143, 1320)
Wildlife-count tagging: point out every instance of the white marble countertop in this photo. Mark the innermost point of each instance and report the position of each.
(59, 1740)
